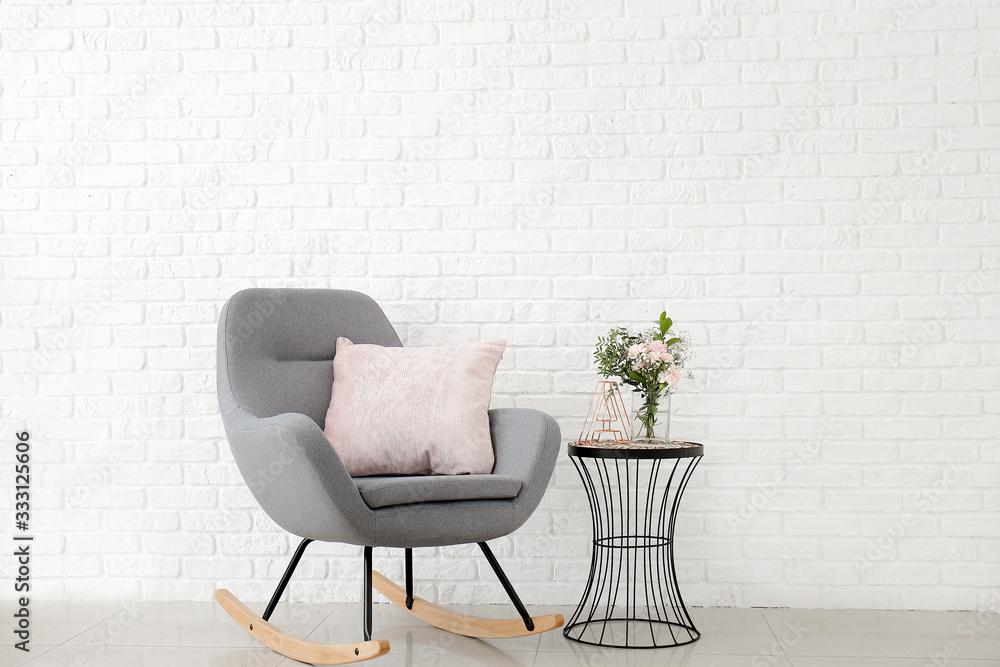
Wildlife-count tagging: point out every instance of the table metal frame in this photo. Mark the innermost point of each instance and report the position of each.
(633, 519)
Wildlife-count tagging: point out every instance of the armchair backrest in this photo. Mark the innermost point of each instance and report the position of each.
(276, 347)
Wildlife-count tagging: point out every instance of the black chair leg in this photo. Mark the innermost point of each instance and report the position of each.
(408, 558)
(284, 578)
(528, 623)
(367, 594)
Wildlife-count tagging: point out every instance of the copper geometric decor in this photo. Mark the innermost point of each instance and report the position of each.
(606, 419)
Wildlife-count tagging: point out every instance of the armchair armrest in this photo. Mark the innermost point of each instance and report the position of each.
(297, 477)
(525, 445)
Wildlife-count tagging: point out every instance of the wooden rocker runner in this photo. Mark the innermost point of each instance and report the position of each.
(275, 372)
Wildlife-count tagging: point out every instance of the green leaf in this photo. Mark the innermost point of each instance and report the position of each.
(673, 340)
(635, 376)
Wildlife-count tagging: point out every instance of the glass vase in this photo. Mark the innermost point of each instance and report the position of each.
(650, 419)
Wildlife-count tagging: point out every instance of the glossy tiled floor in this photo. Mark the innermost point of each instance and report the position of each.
(196, 634)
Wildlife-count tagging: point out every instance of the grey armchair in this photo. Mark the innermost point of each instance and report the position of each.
(275, 371)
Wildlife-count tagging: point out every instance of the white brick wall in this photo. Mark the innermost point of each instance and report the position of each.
(809, 188)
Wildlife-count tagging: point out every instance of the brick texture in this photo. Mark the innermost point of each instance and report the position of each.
(810, 189)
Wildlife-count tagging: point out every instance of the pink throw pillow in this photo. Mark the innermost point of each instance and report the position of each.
(412, 411)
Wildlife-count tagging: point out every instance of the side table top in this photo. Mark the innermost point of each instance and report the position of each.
(610, 449)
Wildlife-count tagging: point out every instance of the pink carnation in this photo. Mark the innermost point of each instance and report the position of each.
(656, 347)
(658, 351)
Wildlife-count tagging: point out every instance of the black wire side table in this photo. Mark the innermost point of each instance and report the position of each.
(632, 599)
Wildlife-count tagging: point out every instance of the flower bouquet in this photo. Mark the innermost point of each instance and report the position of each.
(652, 362)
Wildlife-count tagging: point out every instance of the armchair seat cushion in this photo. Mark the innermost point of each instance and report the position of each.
(387, 491)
